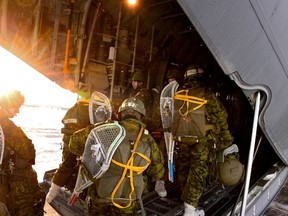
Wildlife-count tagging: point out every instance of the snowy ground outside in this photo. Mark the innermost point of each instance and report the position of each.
(42, 125)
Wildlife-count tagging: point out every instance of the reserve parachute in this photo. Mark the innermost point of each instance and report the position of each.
(99, 108)
(167, 114)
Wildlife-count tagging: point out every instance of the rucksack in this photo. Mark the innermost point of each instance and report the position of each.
(226, 167)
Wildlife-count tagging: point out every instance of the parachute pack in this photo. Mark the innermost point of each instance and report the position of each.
(100, 108)
(100, 146)
(189, 112)
(85, 112)
(226, 168)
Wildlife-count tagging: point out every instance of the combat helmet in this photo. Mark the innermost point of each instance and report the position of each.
(11, 98)
(134, 104)
(173, 72)
(138, 76)
(193, 71)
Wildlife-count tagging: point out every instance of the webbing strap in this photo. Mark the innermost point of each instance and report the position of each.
(129, 165)
(187, 100)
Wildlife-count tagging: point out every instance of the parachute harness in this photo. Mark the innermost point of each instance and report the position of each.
(129, 165)
(187, 99)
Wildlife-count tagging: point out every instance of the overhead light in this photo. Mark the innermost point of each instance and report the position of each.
(132, 2)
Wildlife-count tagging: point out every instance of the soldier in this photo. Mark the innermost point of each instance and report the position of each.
(137, 83)
(152, 120)
(76, 118)
(137, 88)
(151, 100)
(19, 188)
(82, 114)
(174, 73)
(119, 190)
(199, 127)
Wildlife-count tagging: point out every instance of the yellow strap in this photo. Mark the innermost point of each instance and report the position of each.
(138, 169)
(187, 100)
(129, 166)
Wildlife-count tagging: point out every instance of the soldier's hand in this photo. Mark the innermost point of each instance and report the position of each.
(53, 192)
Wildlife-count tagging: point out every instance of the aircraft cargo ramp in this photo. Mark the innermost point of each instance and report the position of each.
(153, 204)
(216, 201)
(279, 206)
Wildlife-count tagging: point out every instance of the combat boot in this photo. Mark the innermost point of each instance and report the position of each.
(192, 211)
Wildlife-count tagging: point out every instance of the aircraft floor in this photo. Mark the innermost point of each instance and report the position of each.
(49, 210)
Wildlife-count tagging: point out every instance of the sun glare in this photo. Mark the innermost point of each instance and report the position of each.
(37, 89)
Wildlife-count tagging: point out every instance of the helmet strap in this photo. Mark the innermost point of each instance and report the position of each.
(130, 113)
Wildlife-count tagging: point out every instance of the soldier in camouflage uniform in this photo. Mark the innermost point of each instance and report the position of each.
(76, 118)
(150, 98)
(174, 73)
(152, 120)
(198, 131)
(136, 85)
(19, 188)
(131, 112)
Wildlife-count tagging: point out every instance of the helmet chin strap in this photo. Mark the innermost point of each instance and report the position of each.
(130, 113)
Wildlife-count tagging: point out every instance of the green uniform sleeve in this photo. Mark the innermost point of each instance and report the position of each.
(156, 168)
(78, 140)
(217, 116)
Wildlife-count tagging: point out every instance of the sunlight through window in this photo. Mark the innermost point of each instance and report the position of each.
(37, 89)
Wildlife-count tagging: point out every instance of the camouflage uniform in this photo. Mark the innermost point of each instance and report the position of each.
(19, 188)
(151, 100)
(77, 117)
(100, 204)
(194, 155)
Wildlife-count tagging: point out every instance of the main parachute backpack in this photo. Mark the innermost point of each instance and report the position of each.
(100, 146)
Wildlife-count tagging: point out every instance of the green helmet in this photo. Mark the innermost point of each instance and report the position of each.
(193, 71)
(138, 76)
(11, 98)
(133, 103)
(173, 72)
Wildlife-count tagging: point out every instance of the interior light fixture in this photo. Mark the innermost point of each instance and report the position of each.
(132, 2)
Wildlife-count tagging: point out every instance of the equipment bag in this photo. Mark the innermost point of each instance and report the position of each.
(226, 168)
